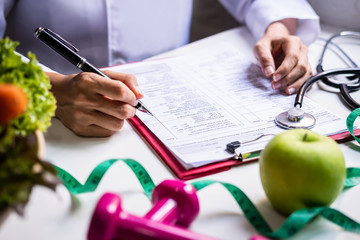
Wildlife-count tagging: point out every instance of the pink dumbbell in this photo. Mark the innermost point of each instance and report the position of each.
(175, 206)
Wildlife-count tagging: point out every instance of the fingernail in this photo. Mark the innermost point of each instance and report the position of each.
(277, 77)
(291, 91)
(135, 103)
(268, 71)
(276, 85)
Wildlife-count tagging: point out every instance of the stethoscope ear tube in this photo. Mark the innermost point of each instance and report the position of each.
(322, 75)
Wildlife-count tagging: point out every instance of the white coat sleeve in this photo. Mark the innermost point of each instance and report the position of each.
(259, 14)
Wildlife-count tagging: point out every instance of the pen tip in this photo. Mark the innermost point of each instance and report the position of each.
(140, 106)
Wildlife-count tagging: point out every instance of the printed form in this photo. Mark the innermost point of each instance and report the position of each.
(205, 100)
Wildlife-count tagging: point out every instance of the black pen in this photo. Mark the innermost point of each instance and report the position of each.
(69, 52)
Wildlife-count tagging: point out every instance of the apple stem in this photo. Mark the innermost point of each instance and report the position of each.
(304, 138)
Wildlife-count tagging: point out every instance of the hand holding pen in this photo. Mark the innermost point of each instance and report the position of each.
(91, 104)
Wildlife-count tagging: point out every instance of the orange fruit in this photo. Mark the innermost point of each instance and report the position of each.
(13, 102)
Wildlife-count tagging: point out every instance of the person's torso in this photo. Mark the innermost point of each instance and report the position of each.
(107, 32)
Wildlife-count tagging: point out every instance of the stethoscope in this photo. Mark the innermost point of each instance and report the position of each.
(296, 117)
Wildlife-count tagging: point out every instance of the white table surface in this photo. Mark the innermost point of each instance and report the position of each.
(54, 215)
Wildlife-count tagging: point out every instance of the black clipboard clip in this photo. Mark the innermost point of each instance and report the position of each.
(233, 146)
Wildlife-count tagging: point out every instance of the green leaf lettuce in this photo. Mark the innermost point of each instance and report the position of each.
(34, 82)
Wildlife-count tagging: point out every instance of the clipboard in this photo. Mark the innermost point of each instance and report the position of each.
(187, 174)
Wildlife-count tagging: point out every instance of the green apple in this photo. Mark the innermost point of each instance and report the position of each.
(300, 168)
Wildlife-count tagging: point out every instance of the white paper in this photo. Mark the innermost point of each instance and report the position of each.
(205, 100)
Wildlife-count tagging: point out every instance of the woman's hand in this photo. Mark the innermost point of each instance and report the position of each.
(283, 56)
(91, 105)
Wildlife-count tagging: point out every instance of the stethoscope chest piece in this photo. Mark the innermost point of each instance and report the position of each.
(295, 118)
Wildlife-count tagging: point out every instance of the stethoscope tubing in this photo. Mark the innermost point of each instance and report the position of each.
(322, 75)
(344, 90)
(329, 41)
(350, 87)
